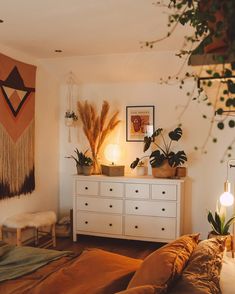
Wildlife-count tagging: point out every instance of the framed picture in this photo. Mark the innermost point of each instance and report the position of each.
(139, 122)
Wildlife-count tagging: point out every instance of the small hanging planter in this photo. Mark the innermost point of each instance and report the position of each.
(70, 118)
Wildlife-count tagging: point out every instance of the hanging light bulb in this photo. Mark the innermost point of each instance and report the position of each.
(227, 198)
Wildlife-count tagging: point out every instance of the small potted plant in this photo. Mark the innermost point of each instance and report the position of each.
(70, 118)
(140, 168)
(220, 227)
(87, 166)
(163, 159)
(79, 158)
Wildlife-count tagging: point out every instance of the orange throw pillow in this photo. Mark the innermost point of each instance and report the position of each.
(146, 289)
(166, 264)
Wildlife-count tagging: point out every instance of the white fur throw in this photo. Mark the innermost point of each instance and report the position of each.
(35, 219)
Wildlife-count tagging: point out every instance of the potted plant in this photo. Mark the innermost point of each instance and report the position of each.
(70, 117)
(140, 168)
(80, 159)
(87, 166)
(163, 159)
(220, 227)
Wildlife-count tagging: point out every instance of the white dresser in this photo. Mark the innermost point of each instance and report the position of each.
(140, 208)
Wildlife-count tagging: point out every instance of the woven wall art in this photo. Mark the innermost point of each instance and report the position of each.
(17, 109)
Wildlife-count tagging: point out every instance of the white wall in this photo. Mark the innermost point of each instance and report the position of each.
(205, 172)
(46, 193)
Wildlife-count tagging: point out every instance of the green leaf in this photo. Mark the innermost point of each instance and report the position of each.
(134, 163)
(228, 224)
(157, 158)
(176, 134)
(147, 142)
(176, 159)
(157, 132)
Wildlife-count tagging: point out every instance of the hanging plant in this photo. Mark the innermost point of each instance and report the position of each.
(70, 118)
(213, 23)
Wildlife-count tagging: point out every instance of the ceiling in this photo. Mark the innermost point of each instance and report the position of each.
(83, 27)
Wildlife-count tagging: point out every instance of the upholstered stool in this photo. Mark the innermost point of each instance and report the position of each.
(36, 221)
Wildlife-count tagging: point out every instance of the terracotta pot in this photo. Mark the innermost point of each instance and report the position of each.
(164, 171)
(228, 241)
(87, 170)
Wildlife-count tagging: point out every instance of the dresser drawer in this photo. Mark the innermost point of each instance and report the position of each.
(150, 227)
(137, 191)
(166, 192)
(153, 208)
(98, 223)
(87, 188)
(111, 189)
(99, 205)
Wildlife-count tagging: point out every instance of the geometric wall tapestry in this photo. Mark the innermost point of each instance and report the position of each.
(17, 109)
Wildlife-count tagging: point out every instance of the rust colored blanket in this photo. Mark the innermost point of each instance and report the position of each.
(17, 100)
(93, 272)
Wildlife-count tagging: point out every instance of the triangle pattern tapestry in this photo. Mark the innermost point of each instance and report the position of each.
(17, 111)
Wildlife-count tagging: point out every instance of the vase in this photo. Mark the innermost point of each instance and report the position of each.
(164, 171)
(140, 170)
(96, 166)
(87, 170)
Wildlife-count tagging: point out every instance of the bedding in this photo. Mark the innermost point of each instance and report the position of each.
(96, 271)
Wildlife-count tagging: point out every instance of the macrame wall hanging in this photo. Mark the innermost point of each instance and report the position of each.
(70, 115)
(17, 109)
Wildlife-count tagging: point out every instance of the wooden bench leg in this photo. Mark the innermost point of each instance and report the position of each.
(53, 235)
(18, 237)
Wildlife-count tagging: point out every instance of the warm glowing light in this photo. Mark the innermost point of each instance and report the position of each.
(112, 153)
(226, 199)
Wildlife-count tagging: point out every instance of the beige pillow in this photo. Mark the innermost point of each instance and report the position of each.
(201, 275)
(165, 264)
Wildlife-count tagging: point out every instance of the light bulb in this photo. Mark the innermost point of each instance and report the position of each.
(226, 199)
(112, 153)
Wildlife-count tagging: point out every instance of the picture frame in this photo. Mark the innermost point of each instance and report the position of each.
(139, 122)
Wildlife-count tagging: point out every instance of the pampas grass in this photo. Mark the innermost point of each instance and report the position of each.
(96, 127)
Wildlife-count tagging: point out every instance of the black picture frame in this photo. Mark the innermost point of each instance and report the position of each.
(140, 120)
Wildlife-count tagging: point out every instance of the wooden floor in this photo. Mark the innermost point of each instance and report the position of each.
(131, 248)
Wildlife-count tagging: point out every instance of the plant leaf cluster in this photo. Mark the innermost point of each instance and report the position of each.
(80, 158)
(163, 152)
(218, 223)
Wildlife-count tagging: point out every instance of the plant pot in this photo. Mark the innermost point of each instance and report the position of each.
(79, 169)
(87, 170)
(164, 171)
(140, 170)
(228, 239)
(68, 121)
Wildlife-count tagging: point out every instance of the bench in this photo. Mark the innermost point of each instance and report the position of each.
(36, 221)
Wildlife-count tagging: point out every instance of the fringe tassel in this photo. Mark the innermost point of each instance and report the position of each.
(17, 163)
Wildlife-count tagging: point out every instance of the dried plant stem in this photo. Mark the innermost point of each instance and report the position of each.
(96, 127)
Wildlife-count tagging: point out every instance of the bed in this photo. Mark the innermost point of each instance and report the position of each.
(183, 266)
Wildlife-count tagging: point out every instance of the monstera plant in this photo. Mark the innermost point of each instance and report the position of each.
(163, 155)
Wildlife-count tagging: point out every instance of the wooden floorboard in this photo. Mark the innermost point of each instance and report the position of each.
(131, 248)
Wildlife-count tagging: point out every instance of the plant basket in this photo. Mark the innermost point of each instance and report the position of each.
(164, 171)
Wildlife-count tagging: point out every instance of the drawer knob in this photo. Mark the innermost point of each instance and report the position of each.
(136, 207)
(110, 189)
(86, 188)
(136, 191)
(163, 192)
(86, 204)
(110, 225)
(136, 227)
(163, 209)
(163, 229)
(110, 205)
(86, 222)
